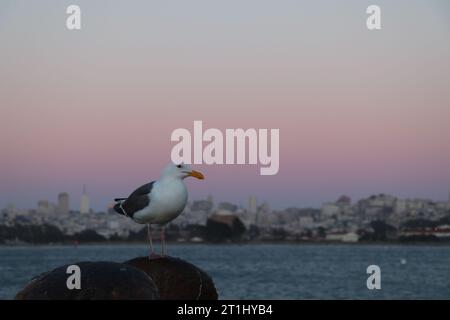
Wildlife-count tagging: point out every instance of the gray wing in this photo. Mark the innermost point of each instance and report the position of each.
(136, 201)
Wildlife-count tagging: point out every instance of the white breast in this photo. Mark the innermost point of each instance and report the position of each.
(167, 200)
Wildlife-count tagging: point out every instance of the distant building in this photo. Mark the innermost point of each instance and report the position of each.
(252, 204)
(222, 212)
(210, 199)
(110, 208)
(350, 237)
(113, 225)
(342, 236)
(264, 207)
(63, 203)
(306, 221)
(84, 207)
(344, 200)
(227, 206)
(329, 209)
(43, 206)
(400, 206)
(202, 205)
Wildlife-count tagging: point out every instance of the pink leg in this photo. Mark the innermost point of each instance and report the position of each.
(152, 254)
(163, 242)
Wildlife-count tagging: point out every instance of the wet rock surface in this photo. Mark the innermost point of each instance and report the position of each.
(177, 279)
(99, 281)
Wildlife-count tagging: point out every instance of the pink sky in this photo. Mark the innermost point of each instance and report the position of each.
(359, 112)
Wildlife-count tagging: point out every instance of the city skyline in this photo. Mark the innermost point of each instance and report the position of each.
(341, 220)
(250, 203)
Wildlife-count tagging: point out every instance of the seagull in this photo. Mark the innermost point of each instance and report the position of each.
(158, 202)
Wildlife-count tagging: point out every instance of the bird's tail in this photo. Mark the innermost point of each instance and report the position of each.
(118, 206)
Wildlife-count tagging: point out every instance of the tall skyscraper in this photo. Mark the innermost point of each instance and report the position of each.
(252, 204)
(84, 208)
(210, 199)
(63, 203)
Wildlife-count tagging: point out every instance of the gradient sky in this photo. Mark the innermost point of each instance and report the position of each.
(359, 111)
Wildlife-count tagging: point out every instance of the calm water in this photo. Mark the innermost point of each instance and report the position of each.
(265, 271)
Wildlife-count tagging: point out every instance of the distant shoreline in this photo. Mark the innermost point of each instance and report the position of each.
(252, 243)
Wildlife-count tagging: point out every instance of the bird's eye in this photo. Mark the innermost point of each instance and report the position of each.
(179, 166)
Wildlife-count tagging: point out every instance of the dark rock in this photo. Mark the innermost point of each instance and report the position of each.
(99, 281)
(177, 279)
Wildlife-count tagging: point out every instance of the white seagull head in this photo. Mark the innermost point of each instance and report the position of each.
(180, 171)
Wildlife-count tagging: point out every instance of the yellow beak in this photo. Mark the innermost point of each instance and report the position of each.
(197, 174)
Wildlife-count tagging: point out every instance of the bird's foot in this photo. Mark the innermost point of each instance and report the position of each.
(154, 256)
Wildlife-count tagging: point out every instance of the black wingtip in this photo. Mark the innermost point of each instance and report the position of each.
(119, 199)
(118, 209)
